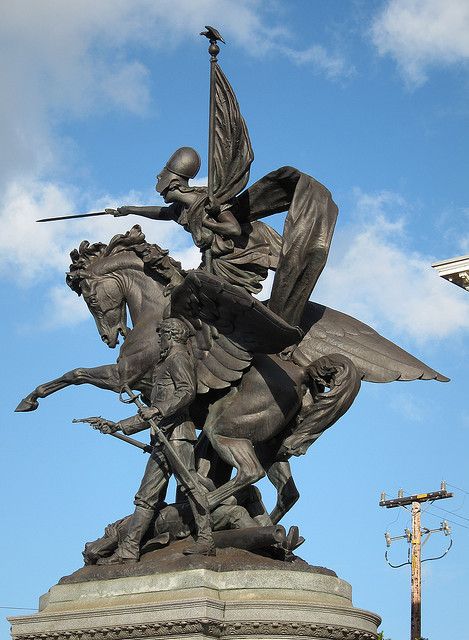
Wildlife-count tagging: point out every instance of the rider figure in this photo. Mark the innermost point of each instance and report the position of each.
(175, 387)
(240, 253)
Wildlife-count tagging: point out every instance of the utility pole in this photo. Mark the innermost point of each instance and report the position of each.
(416, 575)
(414, 538)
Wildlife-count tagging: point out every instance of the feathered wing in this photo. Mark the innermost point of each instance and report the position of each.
(329, 331)
(220, 361)
(229, 326)
(233, 153)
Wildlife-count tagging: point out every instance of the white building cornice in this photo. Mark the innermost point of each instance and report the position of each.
(456, 270)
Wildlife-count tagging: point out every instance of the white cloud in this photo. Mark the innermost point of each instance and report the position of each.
(266, 287)
(420, 34)
(65, 60)
(34, 253)
(371, 273)
(333, 65)
(64, 308)
(29, 250)
(410, 407)
(61, 60)
(374, 276)
(189, 257)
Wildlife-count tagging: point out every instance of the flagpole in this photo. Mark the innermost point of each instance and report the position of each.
(213, 50)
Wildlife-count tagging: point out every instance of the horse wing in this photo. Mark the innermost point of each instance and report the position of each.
(329, 331)
(220, 361)
(232, 312)
(229, 326)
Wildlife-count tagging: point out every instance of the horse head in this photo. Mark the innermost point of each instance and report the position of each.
(111, 276)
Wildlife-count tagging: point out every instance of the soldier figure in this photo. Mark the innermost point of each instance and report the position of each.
(174, 390)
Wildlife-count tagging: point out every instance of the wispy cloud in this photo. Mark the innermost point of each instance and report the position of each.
(31, 251)
(374, 274)
(464, 237)
(63, 308)
(371, 274)
(332, 64)
(407, 406)
(421, 34)
(36, 254)
(65, 60)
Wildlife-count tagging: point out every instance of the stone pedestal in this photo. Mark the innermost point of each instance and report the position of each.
(200, 604)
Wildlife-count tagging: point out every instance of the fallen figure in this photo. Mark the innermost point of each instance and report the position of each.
(241, 522)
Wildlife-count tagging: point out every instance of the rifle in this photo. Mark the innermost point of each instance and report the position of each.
(182, 475)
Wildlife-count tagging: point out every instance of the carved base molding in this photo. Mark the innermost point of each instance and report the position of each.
(200, 605)
(207, 629)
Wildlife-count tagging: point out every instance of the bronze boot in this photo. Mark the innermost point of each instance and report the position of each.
(129, 549)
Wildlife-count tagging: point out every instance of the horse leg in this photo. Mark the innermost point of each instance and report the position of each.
(105, 377)
(240, 454)
(280, 475)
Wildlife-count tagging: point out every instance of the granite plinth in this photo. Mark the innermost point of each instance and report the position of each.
(200, 603)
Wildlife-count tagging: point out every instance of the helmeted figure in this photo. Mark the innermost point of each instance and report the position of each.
(239, 253)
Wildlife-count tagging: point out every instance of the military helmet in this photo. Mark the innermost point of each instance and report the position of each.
(184, 162)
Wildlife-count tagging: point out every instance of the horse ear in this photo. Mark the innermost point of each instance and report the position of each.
(73, 281)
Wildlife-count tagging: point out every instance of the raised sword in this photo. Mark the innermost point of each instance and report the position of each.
(106, 212)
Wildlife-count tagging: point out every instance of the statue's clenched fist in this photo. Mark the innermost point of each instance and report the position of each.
(117, 213)
(149, 413)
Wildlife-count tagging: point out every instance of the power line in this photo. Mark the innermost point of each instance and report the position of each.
(463, 491)
(451, 512)
(20, 608)
(436, 515)
(458, 488)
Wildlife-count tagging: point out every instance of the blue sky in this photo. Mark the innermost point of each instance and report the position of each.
(368, 97)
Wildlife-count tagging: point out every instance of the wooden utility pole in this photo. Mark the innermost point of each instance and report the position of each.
(416, 545)
(416, 576)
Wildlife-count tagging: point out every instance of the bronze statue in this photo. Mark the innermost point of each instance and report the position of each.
(174, 390)
(261, 381)
(239, 253)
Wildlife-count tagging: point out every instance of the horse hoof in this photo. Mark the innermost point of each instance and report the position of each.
(27, 405)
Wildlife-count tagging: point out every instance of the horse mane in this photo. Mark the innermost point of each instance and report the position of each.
(158, 263)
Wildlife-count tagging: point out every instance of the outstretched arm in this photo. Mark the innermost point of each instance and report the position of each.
(131, 425)
(155, 213)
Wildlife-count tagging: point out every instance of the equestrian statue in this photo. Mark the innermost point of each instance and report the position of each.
(228, 386)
